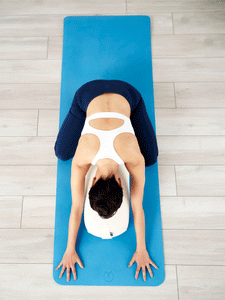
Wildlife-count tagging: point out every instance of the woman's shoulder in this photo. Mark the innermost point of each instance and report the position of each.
(131, 152)
(128, 148)
(84, 150)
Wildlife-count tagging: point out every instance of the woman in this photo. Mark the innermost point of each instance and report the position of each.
(127, 137)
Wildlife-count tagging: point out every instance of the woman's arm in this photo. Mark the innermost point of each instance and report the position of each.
(78, 191)
(77, 183)
(139, 224)
(141, 256)
(137, 173)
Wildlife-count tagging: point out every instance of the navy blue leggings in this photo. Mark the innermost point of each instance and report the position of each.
(70, 131)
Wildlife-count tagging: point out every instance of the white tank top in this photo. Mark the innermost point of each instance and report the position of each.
(107, 137)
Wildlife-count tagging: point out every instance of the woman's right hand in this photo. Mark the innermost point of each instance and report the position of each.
(68, 261)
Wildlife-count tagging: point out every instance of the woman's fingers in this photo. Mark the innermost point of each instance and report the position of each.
(143, 261)
(137, 272)
(68, 273)
(74, 273)
(150, 271)
(131, 262)
(59, 266)
(144, 273)
(154, 265)
(80, 263)
(68, 270)
(62, 271)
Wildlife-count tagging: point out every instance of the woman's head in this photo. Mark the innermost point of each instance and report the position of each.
(106, 196)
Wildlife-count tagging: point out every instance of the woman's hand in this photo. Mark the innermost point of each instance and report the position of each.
(143, 260)
(68, 261)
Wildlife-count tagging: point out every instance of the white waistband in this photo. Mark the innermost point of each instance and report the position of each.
(109, 114)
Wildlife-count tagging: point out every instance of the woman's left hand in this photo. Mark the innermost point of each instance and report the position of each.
(143, 260)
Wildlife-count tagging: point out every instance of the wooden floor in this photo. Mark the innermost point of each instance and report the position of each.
(188, 51)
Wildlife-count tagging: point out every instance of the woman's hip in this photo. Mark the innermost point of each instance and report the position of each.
(88, 91)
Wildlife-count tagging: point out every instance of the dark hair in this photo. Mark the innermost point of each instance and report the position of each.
(106, 196)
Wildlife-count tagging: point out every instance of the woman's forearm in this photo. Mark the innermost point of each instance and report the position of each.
(139, 223)
(74, 224)
(77, 182)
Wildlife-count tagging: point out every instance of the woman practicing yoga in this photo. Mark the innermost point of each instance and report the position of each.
(107, 125)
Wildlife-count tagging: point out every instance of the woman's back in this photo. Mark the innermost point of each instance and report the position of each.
(89, 144)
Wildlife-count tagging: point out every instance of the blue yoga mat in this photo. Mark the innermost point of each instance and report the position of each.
(108, 47)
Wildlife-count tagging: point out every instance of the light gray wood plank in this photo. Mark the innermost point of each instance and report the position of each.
(57, 7)
(28, 278)
(193, 212)
(201, 282)
(194, 247)
(199, 94)
(38, 212)
(31, 25)
(200, 22)
(30, 96)
(161, 23)
(18, 122)
(30, 71)
(27, 151)
(23, 47)
(188, 45)
(167, 183)
(48, 124)
(175, 5)
(26, 245)
(55, 47)
(163, 95)
(190, 121)
(10, 211)
(191, 150)
(200, 180)
(28, 180)
(188, 69)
